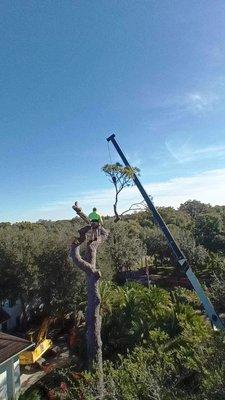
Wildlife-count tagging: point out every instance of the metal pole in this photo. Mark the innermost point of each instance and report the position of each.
(180, 258)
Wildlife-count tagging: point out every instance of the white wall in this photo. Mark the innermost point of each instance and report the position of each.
(3, 384)
(16, 370)
(10, 379)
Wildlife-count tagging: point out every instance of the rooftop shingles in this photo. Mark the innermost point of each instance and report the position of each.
(11, 345)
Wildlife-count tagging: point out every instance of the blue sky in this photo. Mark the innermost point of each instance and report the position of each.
(73, 72)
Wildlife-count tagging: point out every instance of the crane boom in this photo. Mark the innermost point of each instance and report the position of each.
(179, 256)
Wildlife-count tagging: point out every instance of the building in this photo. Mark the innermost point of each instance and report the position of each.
(4, 318)
(10, 315)
(10, 348)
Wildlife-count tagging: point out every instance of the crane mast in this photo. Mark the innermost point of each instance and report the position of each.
(179, 256)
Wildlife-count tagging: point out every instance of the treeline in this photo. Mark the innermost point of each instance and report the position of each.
(156, 343)
(34, 263)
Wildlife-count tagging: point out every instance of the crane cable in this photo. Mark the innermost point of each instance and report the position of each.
(110, 158)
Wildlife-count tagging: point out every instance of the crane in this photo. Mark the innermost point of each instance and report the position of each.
(182, 262)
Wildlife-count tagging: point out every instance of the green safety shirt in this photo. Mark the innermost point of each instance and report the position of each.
(95, 216)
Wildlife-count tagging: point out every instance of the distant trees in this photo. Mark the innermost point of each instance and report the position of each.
(33, 256)
(34, 268)
(18, 267)
(209, 231)
(208, 224)
(124, 245)
(156, 343)
(158, 247)
(60, 284)
(194, 208)
(179, 217)
(216, 268)
(196, 254)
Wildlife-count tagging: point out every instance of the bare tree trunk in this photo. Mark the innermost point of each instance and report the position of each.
(93, 316)
(93, 321)
(117, 217)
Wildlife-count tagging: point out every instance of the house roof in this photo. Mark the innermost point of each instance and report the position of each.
(4, 316)
(11, 345)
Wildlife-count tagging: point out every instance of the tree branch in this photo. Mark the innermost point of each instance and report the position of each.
(138, 206)
(88, 265)
(79, 212)
(92, 247)
(78, 260)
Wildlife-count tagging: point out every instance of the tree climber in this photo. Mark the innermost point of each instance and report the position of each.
(96, 222)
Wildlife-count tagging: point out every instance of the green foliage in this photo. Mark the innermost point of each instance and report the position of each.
(120, 174)
(31, 395)
(124, 246)
(19, 271)
(60, 288)
(156, 245)
(132, 311)
(121, 177)
(196, 254)
(218, 288)
(31, 254)
(177, 348)
(159, 371)
(194, 208)
(34, 266)
(185, 296)
(176, 217)
(158, 345)
(209, 231)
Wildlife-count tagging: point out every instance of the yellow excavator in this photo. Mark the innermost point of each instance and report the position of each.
(42, 344)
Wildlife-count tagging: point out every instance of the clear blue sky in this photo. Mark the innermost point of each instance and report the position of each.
(73, 72)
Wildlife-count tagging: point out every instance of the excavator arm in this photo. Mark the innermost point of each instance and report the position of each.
(41, 346)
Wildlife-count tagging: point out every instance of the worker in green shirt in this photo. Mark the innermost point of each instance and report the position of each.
(94, 216)
(96, 221)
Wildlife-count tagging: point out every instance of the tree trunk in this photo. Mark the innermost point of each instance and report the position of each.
(93, 323)
(117, 217)
(93, 316)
